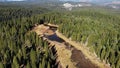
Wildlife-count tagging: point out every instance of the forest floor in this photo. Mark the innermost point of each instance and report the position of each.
(70, 54)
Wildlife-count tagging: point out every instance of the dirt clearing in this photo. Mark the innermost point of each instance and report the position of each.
(70, 54)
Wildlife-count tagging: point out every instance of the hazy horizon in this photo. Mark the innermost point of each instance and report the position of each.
(94, 1)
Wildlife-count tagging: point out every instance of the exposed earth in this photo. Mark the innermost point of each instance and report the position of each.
(69, 56)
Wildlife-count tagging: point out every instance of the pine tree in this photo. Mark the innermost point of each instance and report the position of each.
(15, 62)
(40, 65)
(1, 65)
(43, 62)
(33, 57)
(48, 66)
(28, 65)
(118, 63)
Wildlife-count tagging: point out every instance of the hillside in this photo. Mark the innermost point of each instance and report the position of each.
(84, 37)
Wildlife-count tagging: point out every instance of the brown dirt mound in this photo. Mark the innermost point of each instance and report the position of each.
(80, 60)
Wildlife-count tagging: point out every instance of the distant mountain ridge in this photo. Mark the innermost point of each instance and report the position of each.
(28, 0)
(92, 1)
(72, 3)
(113, 4)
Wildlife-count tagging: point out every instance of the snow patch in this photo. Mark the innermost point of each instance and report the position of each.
(115, 7)
(70, 6)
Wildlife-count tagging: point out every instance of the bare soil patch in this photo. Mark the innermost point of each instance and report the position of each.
(80, 60)
(69, 55)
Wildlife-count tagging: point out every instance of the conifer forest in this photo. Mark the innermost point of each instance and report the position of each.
(96, 28)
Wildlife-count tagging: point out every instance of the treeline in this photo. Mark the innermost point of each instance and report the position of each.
(100, 31)
(14, 12)
(21, 48)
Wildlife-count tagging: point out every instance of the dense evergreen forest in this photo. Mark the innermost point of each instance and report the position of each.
(8, 12)
(100, 31)
(19, 48)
